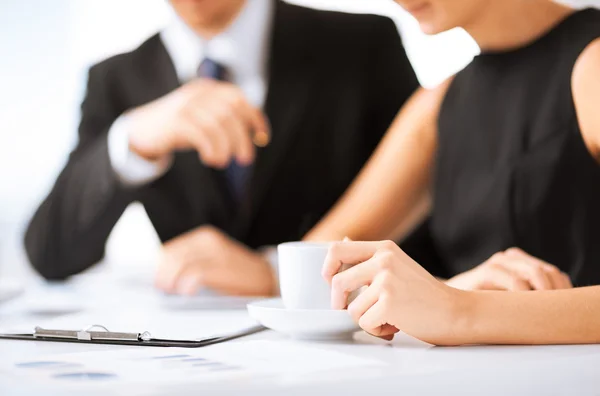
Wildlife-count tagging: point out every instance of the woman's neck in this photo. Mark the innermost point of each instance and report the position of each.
(511, 24)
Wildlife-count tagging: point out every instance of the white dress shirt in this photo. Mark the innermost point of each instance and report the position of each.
(243, 48)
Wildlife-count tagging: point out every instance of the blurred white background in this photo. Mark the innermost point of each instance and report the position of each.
(46, 48)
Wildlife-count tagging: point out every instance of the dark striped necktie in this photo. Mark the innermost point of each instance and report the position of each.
(237, 176)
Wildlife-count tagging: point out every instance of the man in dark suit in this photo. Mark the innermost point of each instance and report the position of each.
(237, 128)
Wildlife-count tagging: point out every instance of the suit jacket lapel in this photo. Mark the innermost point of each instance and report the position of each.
(291, 80)
(159, 72)
(187, 175)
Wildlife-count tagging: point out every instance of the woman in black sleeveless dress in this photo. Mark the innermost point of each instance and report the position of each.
(504, 158)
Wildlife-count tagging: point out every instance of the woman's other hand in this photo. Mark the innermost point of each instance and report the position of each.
(512, 270)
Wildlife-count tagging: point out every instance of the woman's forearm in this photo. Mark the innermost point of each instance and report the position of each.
(531, 318)
(391, 192)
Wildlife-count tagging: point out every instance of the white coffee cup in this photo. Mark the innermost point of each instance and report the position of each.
(300, 281)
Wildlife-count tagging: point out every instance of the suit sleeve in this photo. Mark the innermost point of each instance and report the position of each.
(69, 230)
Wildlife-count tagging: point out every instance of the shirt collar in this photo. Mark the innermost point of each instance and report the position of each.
(243, 47)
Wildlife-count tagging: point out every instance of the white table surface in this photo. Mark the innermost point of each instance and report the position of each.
(410, 367)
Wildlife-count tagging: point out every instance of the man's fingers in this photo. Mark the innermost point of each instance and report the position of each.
(189, 283)
(178, 277)
(234, 127)
(222, 113)
(255, 119)
(206, 138)
(244, 149)
(351, 253)
(222, 143)
(199, 141)
(261, 128)
(168, 275)
(258, 124)
(209, 127)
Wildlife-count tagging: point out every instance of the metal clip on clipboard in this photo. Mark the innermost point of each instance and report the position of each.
(88, 334)
(98, 334)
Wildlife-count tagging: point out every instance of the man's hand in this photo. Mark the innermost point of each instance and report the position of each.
(211, 117)
(205, 257)
(512, 270)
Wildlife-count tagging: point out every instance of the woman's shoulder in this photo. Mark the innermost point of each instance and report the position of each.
(585, 84)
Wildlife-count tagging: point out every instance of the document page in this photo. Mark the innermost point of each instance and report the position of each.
(147, 366)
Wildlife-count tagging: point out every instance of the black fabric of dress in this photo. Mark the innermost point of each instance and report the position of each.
(512, 168)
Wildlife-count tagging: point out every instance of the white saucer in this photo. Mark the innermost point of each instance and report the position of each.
(305, 324)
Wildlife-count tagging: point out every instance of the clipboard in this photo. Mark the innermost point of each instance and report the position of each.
(98, 334)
